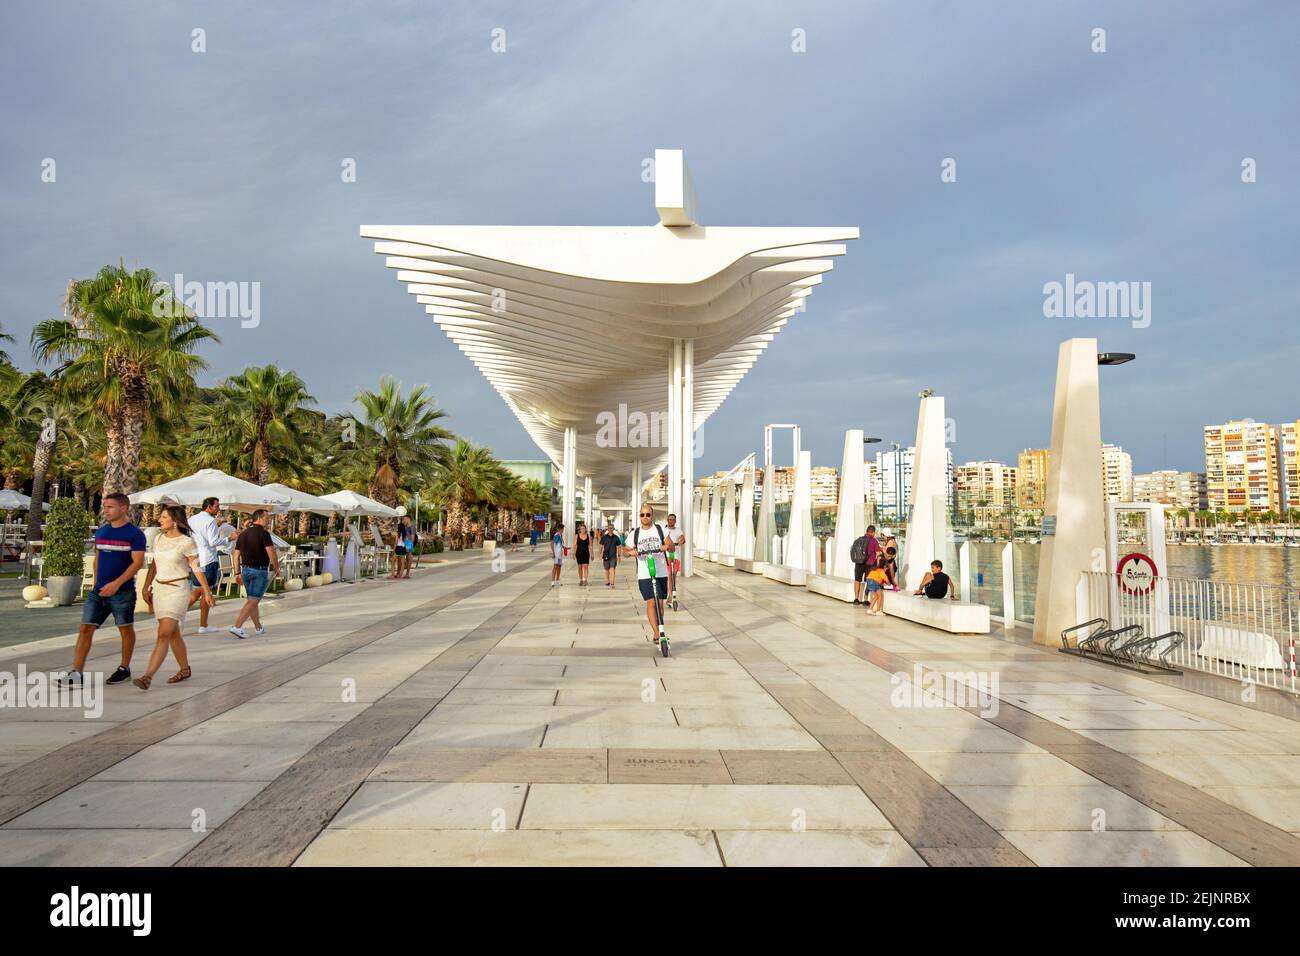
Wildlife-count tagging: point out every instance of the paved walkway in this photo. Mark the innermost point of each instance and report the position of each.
(473, 716)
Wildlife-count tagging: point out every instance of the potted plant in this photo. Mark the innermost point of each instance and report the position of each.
(65, 537)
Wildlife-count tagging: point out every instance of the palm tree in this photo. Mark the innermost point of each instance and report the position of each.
(466, 478)
(259, 424)
(129, 350)
(400, 438)
(44, 414)
(4, 356)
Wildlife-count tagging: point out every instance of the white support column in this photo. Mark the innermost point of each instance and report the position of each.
(715, 523)
(1009, 588)
(766, 517)
(674, 425)
(745, 518)
(688, 449)
(586, 503)
(964, 567)
(1073, 510)
(849, 520)
(636, 496)
(799, 535)
(568, 510)
(929, 479)
(727, 544)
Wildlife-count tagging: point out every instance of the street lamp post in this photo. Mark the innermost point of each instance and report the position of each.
(871, 440)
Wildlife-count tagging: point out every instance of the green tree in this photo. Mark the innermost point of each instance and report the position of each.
(129, 351)
(260, 426)
(400, 438)
(466, 478)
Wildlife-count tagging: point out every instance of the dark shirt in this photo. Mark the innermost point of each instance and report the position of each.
(938, 586)
(252, 546)
(114, 547)
(609, 546)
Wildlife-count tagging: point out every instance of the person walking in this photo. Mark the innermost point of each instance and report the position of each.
(119, 554)
(175, 565)
(255, 560)
(679, 541)
(609, 545)
(557, 553)
(206, 534)
(582, 554)
(403, 548)
(532, 536)
(650, 540)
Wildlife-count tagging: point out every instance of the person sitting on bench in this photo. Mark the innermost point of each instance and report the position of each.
(936, 584)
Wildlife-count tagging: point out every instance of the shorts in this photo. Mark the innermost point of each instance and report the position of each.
(873, 586)
(558, 561)
(611, 563)
(211, 572)
(860, 571)
(400, 551)
(256, 581)
(122, 606)
(647, 589)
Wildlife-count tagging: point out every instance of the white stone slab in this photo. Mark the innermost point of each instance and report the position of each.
(957, 617)
(839, 588)
(795, 577)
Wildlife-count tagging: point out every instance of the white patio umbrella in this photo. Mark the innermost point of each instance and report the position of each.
(301, 501)
(350, 503)
(235, 494)
(11, 500)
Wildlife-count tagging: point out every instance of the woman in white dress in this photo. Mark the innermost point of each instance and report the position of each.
(174, 555)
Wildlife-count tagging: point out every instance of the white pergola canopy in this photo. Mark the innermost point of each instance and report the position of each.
(571, 323)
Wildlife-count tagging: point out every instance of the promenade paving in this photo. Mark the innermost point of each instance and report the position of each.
(478, 716)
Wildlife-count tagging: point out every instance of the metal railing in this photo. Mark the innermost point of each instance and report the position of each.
(1245, 632)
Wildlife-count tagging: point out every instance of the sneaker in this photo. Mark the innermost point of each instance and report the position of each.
(208, 629)
(73, 678)
(856, 601)
(120, 675)
(259, 631)
(239, 632)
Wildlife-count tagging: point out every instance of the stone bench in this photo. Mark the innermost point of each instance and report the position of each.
(795, 577)
(751, 567)
(957, 617)
(839, 588)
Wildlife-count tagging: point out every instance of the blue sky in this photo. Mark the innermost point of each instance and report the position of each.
(1115, 166)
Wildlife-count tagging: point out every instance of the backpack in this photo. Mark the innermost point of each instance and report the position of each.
(858, 553)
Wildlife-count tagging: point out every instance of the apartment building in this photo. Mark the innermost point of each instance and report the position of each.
(984, 490)
(1116, 474)
(1243, 467)
(1177, 489)
(1031, 478)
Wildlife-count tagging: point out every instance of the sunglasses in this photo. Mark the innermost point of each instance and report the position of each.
(647, 514)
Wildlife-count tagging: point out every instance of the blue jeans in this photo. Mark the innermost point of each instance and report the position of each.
(211, 571)
(256, 581)
(121, 605)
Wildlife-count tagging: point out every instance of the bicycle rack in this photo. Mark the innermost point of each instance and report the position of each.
(1126, 646)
